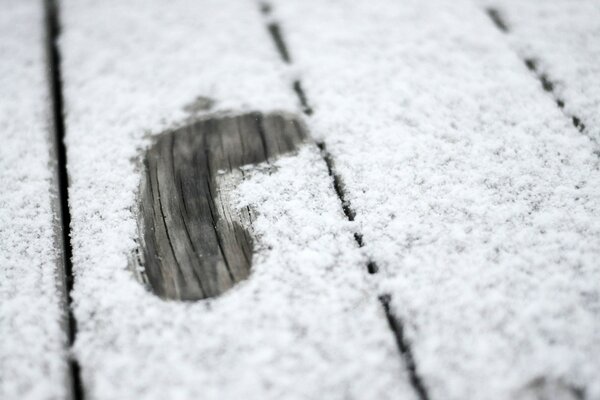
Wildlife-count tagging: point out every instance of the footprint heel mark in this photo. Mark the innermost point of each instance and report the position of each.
(192, 244)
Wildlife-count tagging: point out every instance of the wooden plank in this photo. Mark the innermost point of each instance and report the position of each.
(472, 192)
(558, 39)
(304, 324)
(33, 323)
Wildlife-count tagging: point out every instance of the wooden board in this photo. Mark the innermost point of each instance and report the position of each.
(304, 322)
(472, 191)
(299, 199)
(33, 316)
(558, 40)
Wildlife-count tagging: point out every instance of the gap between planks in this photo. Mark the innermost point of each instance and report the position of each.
(532, 65)
(75, 390)
(395, 324)
(275, 31)
(52, 22)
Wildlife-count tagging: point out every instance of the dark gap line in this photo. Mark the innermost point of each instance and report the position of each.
(394, 323)
(280, 44)
(297, 85)
(52, 23)
(275, 31)
(548, 86)
(349, 212)
(532, 65)
(337, 185)
(497, 19)
(404, 347)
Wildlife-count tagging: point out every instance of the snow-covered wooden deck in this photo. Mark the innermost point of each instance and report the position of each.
(429, 230)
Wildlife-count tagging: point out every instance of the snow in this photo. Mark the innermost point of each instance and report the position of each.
(474, 193)
(564, 41)
(32, 343)
(307, 323)
(476, 196)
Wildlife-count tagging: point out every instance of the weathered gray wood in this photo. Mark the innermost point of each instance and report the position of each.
(193, 246)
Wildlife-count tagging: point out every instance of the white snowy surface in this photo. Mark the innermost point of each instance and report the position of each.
(475, 194)
(32, 356)
(306, 324)
(564, 37)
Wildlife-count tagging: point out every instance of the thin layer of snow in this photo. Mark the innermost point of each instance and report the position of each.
(564, 37)
(305, 325)
(475, 194)
(32, 343)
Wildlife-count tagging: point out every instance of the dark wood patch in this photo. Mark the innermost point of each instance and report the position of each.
(193, 245)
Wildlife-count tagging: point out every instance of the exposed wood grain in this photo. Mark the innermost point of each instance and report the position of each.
(194, 245)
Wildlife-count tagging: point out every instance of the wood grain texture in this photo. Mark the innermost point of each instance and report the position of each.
(193, 244)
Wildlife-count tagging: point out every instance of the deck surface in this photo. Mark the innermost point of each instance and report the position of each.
(432, 234)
